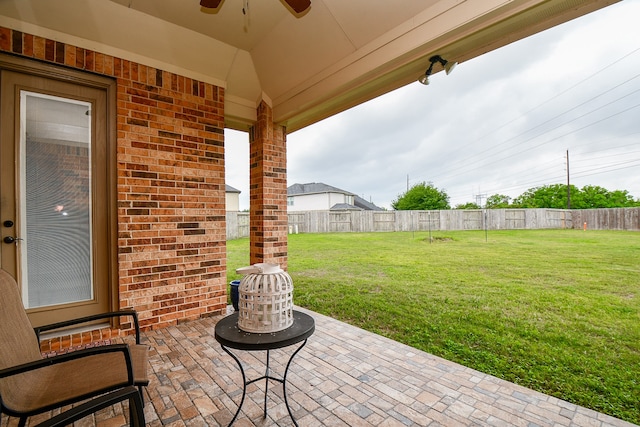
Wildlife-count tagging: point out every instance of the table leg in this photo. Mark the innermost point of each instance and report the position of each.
(244, 382)
(266, 377)
(266, 385)
(284, 382)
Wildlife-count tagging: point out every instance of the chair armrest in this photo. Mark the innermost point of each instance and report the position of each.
(79, 320)
(62, 358)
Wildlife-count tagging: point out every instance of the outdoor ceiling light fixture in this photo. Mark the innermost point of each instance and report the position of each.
(447, 65)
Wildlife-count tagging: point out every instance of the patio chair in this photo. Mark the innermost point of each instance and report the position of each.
(89, 379)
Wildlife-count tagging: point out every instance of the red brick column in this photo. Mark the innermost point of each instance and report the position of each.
(268, 190)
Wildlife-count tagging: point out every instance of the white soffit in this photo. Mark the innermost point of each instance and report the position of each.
(336, 55)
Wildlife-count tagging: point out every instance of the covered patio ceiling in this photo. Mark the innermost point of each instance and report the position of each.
(310, 66)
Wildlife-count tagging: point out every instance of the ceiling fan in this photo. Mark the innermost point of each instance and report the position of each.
(298, 6)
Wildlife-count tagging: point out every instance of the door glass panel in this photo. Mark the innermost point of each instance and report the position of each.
(55, 208)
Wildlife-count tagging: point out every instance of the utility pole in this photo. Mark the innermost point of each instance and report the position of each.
(568, 186)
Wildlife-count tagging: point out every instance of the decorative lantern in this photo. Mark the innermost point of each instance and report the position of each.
(266, 298)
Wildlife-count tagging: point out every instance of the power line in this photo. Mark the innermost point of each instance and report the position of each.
(457, 162)
(526, 185)
(486, 152)
(564, 91)
(591, 172)
(466, 171)
(616, 138)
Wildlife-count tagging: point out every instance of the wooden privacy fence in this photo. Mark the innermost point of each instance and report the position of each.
(607, 219)
(372, 221)
(477, 219)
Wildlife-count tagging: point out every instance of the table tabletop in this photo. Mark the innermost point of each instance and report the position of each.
(229, 335)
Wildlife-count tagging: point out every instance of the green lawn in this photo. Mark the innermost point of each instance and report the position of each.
(554, 310)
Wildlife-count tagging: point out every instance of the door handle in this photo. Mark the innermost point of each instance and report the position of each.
(11, 239)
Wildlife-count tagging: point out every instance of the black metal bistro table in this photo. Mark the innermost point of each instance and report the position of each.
(230, 336)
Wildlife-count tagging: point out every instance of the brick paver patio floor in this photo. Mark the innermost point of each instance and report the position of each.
(344, 376)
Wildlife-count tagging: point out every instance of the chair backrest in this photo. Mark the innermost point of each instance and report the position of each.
(17, 338)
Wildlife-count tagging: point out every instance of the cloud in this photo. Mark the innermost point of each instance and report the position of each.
(499, 124)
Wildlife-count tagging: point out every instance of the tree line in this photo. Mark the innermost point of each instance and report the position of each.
(425, 196)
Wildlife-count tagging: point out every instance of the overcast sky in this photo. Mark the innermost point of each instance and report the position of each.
(498, 124)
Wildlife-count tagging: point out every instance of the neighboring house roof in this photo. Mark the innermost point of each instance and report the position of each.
(367, 206)
(314, 188)
(344, 207)
(319, 188)
(230, 189)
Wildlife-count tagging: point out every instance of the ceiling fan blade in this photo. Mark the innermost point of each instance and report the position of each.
(299, 6)
(210, 4)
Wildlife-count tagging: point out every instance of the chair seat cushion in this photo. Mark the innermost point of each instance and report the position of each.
(72, 381)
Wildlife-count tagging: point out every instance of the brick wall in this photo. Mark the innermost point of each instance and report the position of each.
(171, 192)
